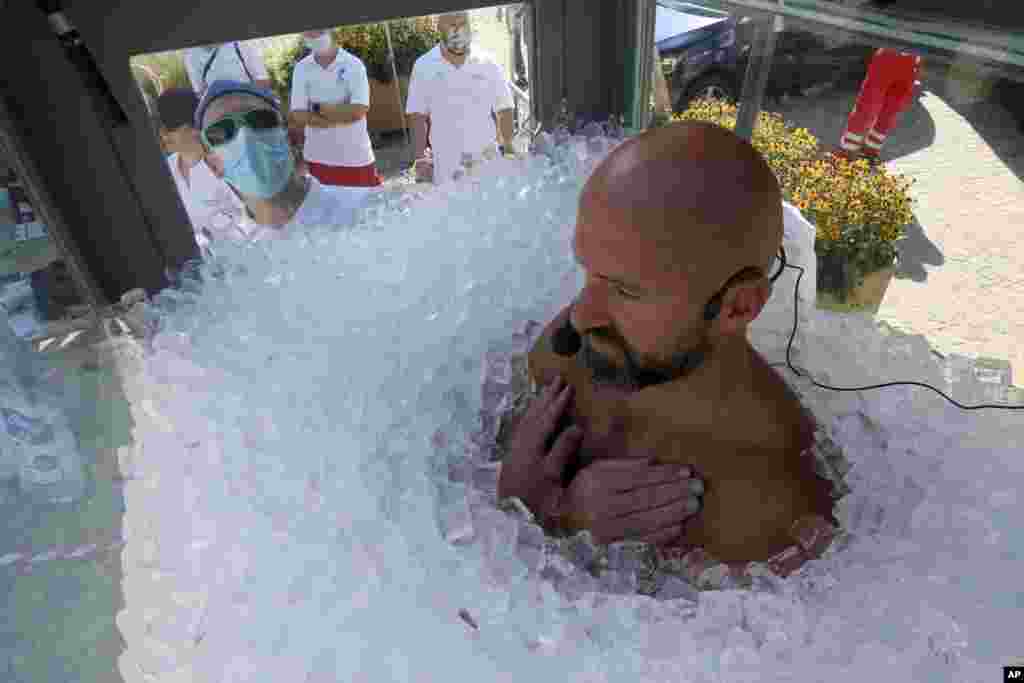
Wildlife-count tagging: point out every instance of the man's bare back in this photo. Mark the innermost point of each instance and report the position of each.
(746, 442)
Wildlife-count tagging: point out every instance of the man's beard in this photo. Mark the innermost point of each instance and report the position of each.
(630, 374)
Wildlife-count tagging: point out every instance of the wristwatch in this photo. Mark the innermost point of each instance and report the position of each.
(316, 107)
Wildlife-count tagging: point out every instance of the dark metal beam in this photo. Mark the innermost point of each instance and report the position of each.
(756, 78)
(83, 182)
(548, 60)
(18, 158)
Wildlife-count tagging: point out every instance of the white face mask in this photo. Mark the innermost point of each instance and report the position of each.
(458, 40)
(321, 44)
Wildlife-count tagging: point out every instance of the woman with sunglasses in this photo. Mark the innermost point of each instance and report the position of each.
(247, 145)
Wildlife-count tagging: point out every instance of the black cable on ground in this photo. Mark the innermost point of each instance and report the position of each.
(798, 373)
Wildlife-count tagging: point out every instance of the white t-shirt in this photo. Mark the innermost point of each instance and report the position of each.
(225, 66)
(459, 102)
(212, 207)
(324, 206)
(343, 81)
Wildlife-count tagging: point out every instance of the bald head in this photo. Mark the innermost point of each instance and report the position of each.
(705, 196)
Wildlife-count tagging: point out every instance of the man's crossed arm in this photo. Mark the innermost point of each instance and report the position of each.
(620, 496)
(328, 115)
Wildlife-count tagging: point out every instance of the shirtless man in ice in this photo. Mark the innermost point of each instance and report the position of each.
(678, 232)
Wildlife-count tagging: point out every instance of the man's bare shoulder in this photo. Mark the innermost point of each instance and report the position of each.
(776, 398)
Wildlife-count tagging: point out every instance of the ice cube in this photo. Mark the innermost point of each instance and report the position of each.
(721, 609)
(531, 535)
(577, 585)
(629, 556)
(456, 521)
(675, 588)
(741, 663)
(517, 510)
(532, 557)
(557, 567)
(945, 637)
(582, 550)
(485, 477)
(618, 582)
(497, 368)
(774, 617)
(498, 534)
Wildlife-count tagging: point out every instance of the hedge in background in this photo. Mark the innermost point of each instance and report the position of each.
(169, 66)
(410, 39)
(280, 60)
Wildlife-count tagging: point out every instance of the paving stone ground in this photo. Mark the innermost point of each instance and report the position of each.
(961, 280)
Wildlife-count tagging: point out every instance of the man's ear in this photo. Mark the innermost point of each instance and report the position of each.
(742, 303)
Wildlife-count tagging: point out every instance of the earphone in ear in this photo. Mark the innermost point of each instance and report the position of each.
(713, 307)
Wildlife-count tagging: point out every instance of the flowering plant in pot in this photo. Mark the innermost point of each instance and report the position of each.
(859, 211)
(784, 147)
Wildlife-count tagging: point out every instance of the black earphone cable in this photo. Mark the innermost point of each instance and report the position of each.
(805, 374)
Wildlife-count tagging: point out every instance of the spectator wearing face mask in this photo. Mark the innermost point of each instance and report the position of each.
(454, 90)
(224, 61)
(211, 206)
(247, 145)
(330, 99)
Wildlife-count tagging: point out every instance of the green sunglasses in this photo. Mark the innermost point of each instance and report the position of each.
(223, 130)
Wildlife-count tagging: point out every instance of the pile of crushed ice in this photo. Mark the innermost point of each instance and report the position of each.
(288, 498)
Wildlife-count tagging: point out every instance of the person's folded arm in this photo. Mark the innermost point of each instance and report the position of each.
(301, 119)
(503, 107)
(343, 114)
(506, 119)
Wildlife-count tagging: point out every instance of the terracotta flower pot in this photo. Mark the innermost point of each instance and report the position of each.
(864, 298)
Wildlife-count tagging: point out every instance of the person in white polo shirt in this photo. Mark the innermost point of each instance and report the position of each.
(330, 99)
(224, 61)
(453, 93)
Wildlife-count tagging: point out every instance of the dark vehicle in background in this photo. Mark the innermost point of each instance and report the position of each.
(1010, 93)
(705, 54)
(698, 53)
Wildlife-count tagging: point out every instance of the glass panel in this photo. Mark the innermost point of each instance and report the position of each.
(66, 448)
(937, 112)
(387, 50)
(293, 469)
(62, 418)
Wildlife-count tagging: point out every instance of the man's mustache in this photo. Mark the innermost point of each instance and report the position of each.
(603, 367)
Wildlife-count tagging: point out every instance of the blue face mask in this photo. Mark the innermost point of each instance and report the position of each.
(258, 163)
